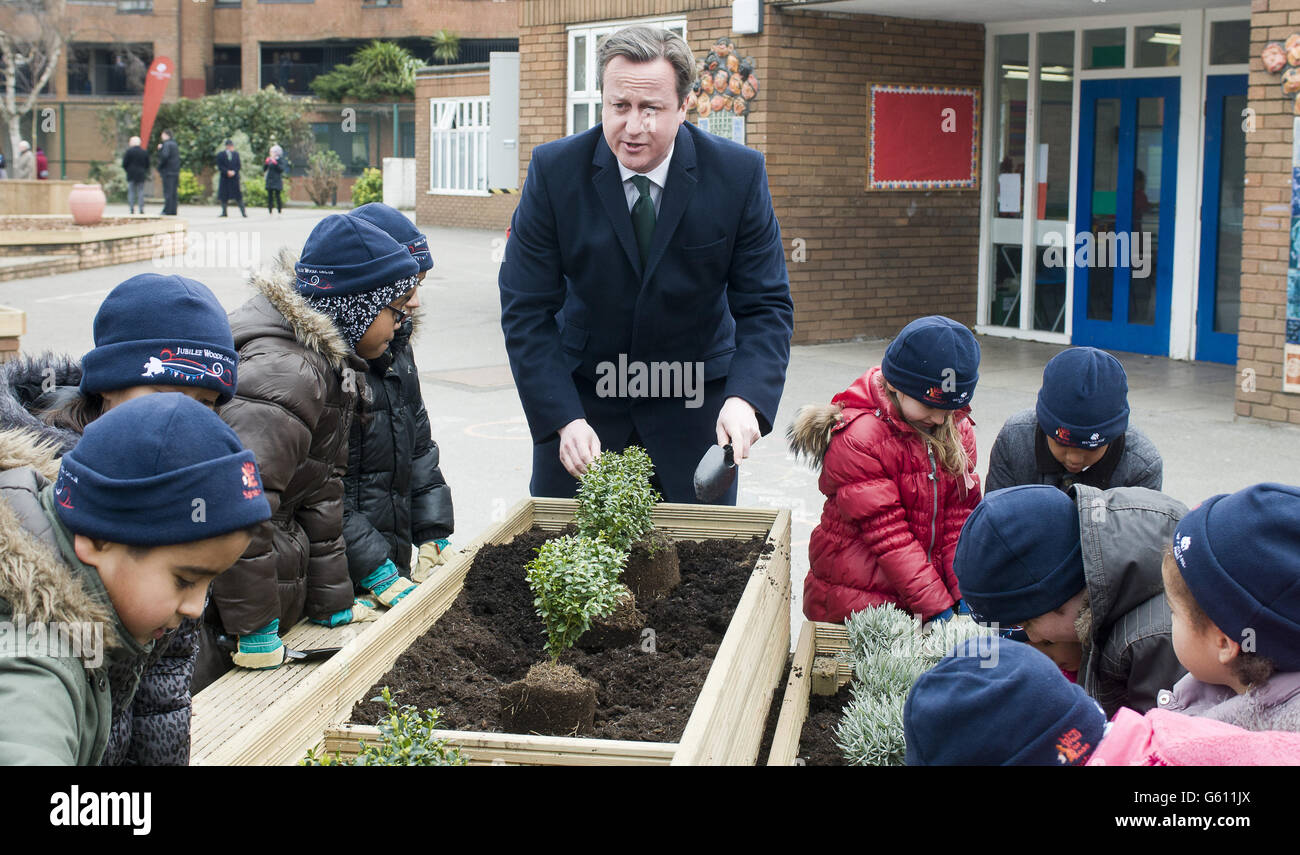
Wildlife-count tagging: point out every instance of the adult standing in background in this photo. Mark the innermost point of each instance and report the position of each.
(135, 163)
(620, 255)
(169, 167)
(228, 186)
(275, 166)
(25, 162)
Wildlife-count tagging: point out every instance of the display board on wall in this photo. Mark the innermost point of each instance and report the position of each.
(1291, 350)
(922, 137)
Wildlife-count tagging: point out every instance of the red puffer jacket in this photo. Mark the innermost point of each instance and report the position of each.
(892, 515)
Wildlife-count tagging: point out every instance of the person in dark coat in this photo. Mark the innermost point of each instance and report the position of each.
(46, 402)
(394, 495)
(624, 260)
(136, 165)
(228, 187)
(169, 167)
(42, 165)
(275, 166)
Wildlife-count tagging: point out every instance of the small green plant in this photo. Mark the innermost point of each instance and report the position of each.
(890, 653)
(574, 579)
(446, 45)
(188, 189)
(405, 739)
(368, 188)
(615, 498)
(324, 169)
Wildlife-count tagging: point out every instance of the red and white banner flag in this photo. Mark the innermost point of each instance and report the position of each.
(155, 84)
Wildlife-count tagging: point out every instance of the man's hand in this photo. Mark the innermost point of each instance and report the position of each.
(579, 445)
(737, 425)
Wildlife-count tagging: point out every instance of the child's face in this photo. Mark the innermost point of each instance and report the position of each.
(1057, 626)
(926, 418)
(381, 330)
(1075, 460)
(153, 589)
(1066, 654)
(1205, 651)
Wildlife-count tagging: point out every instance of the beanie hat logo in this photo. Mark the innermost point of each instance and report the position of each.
(1181, 545)
(1071, 748)
(1063, 435)
(252, 487)
(63, 491)
(315, 282)
(170, 363)
(934, 395)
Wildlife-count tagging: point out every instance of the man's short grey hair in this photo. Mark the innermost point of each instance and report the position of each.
(646, 44)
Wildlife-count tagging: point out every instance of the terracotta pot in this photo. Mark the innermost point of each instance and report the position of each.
(87, 204)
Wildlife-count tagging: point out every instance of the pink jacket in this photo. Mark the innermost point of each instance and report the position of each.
(1163, 738)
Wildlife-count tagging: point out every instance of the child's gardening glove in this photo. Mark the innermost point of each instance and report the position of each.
(387, 585)
(359, 612)
(430, 557)
(262, 650)
(962, 608)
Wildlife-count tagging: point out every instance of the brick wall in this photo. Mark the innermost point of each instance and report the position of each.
(431, 209)
(872, 261)
(1266, 225)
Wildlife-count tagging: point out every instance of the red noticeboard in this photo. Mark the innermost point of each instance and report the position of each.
(923, 137)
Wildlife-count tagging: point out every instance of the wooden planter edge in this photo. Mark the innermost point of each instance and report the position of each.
(817, 640)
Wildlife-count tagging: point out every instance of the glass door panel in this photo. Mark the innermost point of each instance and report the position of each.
(1218, 302)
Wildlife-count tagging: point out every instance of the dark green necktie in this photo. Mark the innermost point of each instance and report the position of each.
(643, 216)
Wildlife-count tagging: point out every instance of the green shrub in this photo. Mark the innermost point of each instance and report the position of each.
(368, 188)
(324, 169)
(574, 579)
(615, 498)
(405, 739)
(188, 189)
(111, 177)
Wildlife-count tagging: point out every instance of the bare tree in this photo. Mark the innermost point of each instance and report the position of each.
(33, 35)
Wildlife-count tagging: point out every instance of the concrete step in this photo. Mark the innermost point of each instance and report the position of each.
(23, 266)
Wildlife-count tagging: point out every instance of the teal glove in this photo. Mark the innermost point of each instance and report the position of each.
(358, 612)
(262, 650)
(387, 585)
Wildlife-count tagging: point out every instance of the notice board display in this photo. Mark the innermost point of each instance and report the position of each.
(923, 137)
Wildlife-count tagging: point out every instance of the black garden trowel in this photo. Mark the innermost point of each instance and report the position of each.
(715, 474)
(315, 654)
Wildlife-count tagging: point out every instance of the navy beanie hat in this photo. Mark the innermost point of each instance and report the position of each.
(159, 470)
(344, 256)
(1239, 556)
(994, 702)
(934, 360)
(396, 225)
(1019, 555)
(155, 330)
(1083, 402)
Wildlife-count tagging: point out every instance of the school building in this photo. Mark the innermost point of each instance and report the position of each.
(1157, 221)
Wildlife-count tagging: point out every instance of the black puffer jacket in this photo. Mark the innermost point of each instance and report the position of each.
(151, 721)
(394, 494)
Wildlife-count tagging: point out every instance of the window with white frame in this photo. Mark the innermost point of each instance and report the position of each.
(458, 146)
(583, 103)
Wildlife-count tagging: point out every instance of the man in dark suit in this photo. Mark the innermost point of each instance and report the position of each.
(644, 293)
(169, 167)
(228, 171)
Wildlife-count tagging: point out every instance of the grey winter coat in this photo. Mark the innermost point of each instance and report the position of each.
(25, 166)
(151, 725)
(1275, 705)
(1020, 455)
(57, 710)
(1128, 654)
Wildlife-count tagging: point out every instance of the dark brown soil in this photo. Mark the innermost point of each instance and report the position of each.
(817, 742)
(652, 568)
(491, 636)
(551, 699)
(23, 224)
(620, 628)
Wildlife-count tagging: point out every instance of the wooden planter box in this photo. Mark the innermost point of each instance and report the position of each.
(820, 667)
(274, 717)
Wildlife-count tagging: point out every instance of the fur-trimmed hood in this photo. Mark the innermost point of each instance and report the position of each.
(29, 382)
(809, 435)
(285, 313)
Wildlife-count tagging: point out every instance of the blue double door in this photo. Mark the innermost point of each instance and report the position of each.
(1124, 219)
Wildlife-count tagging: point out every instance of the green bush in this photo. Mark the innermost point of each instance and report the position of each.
(405, 739)
(380, 71)
(188, 189)
(574, 579)
(324, 169)
(111, 177)
(615, 498)
(368, 188)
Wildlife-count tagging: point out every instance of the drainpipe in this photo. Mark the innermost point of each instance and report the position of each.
(63, 148)
(396, 152)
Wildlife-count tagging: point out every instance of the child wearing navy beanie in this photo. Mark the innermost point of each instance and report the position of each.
(395, 496)
(155, 501)
(1079, 575)
(303, 342)
(1078, 433)
(1233, 581)
(153, 333)
(897, 457)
